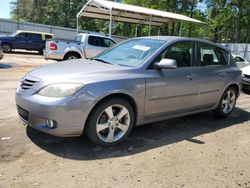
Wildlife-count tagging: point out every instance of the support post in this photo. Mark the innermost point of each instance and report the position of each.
(77, 25)
(136, 31)
(159, 30)
(149, 28)
(180, 29)
(110, 23)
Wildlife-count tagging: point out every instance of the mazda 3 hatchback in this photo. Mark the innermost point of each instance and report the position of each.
(138, 81)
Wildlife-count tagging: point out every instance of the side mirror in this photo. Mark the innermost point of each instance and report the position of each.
(166, 64)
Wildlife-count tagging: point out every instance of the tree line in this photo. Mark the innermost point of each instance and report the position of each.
(227, 20)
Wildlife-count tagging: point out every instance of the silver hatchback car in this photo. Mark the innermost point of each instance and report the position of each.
(136, 82)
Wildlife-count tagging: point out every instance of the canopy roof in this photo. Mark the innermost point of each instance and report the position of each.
(102, 9)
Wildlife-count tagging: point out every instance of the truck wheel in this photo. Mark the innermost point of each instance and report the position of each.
(110, 122)
(7, 48)
(71, 56)
(41, 51)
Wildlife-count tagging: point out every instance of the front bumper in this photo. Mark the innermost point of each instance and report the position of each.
(69, 113)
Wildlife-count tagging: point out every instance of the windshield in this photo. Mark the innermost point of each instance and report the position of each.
(131, 53)
(13, 34)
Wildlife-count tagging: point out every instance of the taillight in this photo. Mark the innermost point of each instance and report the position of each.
(53, 46)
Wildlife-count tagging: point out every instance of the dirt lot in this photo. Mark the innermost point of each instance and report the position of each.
(193, 151)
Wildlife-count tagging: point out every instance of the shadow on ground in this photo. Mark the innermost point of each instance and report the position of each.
(5, 66)
(141, 139)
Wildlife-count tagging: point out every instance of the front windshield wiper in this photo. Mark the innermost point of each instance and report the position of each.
(101, 60)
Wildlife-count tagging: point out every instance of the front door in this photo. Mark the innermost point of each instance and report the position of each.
(173, 91)
(20, 41)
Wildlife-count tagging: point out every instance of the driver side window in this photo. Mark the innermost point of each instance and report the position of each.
(182, 52)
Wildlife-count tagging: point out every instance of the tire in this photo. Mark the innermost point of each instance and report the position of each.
(41, 51)
(7, 48)
(71, 56)
(227, 103)
(115, 118)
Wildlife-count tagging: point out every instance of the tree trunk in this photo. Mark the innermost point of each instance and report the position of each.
(238, 31)
(190, 28)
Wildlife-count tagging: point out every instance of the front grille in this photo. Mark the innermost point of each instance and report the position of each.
(247, 76)
(27, 84)
(24, 114)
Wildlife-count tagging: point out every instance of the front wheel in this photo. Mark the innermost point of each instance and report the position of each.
(7, 48)
(227, 103)
(111, 122)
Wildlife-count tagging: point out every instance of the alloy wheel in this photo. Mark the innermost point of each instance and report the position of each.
(113, 123)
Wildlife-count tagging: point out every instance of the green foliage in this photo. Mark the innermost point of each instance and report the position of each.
(227, 20)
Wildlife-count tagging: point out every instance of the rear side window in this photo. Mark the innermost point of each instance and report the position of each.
(78, 38)
(108, 42)
(48, 37)
(99, 41)
(211, 55)
(35, 37)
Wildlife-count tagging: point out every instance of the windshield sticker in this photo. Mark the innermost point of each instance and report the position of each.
(142, 48)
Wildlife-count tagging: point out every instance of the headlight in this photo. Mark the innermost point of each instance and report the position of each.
(60, 90)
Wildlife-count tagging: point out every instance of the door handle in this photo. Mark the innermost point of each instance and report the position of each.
(192, 76)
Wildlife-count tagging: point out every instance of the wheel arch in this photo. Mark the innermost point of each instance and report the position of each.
(72, 52)
(125, 96)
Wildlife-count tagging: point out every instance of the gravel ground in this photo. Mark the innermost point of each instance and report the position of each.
(193, 151)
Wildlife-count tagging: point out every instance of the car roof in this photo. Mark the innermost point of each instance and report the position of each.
(94, 34)
(36, 32)
(177, 39)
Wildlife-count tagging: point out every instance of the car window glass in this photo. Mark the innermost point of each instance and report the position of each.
(108, 42)
(35, 37)
(238, 59)
(48, 37)
(182, 52)
(78, 38)
(96, 41)
(210, 55)
(22, 35)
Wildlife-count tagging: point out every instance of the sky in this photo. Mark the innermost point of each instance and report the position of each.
(5, 8)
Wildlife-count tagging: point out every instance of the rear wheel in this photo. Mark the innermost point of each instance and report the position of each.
(227, 103)
(71, 56)
(7, 48)
(111, 122)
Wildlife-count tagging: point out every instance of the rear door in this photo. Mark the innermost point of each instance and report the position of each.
(96, 44)
(35, 41)
(213, 74)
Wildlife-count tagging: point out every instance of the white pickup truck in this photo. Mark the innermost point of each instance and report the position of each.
(84, 45)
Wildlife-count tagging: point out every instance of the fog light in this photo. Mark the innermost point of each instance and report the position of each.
(51, 123)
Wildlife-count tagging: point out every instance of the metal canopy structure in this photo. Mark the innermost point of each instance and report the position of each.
(119, 12)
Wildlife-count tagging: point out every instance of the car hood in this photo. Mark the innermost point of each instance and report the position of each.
(79, 70)
(5, 37)
(246, 70)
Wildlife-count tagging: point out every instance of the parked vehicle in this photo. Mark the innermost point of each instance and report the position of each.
(1, 51)
(246, 78)
(83, 46)
(240, 61)
(28, 40)
(139, 81)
